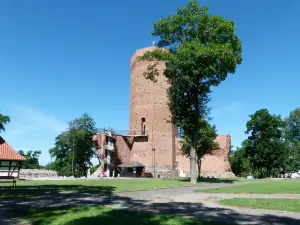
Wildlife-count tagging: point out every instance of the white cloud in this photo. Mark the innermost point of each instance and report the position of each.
(26, 119)
(40, 119)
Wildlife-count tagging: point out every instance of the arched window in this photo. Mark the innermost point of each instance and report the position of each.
(143, 126)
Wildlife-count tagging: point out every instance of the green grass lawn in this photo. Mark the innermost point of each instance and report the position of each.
(102, 215)
(292, 205)
(271, 187)
(27, 188)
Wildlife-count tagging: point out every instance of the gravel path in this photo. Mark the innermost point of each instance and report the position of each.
(175, 201)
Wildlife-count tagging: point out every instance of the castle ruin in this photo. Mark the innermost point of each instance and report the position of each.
(151, 140)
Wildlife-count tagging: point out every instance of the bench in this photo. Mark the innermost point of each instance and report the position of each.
(14, 179)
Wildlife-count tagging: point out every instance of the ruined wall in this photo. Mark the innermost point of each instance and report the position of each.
(212, 165)
(149, 100)
(37, 173)
(122, 149)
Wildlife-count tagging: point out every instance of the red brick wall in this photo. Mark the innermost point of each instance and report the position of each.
(217, 162)
(122, 150)
(149, 100)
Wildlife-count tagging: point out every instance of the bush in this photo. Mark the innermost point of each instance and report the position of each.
(93, 169)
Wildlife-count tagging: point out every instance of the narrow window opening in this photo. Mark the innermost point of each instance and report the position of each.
(143, 126)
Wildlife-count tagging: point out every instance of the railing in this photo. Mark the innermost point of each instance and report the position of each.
(110, 147)
(131, 133)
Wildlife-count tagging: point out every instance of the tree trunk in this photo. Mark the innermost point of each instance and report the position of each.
(193, 169)
(199, 167)
(193, 166)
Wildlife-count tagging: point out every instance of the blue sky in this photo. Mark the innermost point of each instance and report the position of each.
(59, 59)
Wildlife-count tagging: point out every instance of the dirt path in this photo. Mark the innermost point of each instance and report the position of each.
(210, 208)
(174, 201)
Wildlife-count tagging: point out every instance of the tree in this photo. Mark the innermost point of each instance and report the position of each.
(293, 126)
(239, 162)
(32, 159)
(50, 166)
(74, 148)
(3, 120)
(265, 146)
(205, 143)
(292, 141)
(200, 50)
(291, 162)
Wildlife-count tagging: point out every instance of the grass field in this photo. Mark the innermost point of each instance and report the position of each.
(29, 188)
(101, 215)
(270, 187)
(291, 205)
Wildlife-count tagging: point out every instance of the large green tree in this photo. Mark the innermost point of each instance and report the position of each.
(292, 141)
(265, 146)
(239, 162)
(3, 121)
(74, 148)
(32, 159)
(293, 125)
(202, 49)
(205, 143)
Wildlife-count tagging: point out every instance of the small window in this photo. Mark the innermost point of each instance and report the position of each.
(143, 126)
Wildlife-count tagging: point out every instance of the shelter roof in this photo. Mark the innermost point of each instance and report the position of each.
(8, 153)
(131, 164)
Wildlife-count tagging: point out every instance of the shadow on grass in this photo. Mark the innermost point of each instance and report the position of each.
(101, 215)
(60, 208)
(50, 190)
(211, 180)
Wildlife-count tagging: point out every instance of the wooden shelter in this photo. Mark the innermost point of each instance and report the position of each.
(10, 161)
(132, 169)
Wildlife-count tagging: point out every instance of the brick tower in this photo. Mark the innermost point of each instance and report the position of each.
(149, 114)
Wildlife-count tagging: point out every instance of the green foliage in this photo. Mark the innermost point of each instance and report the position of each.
(32, 159)
(3, 120)
(74, 148)
(50, 166)
(93, 169)
(292, 142)
(239, 162)
(200, 51)
(205, 143)
(293, 125)
(291, 162)
(265, 147)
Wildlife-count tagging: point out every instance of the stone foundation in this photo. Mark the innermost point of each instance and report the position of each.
(161, 171)
(218, 175)
(35, 173)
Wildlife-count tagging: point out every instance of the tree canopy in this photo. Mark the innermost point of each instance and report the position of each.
(272, 148)
(292, 142)
(74, 148)
(200, 50)
(293, 125)
(3, 121)
(32, 159)
(265, 147)
(240, 164)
